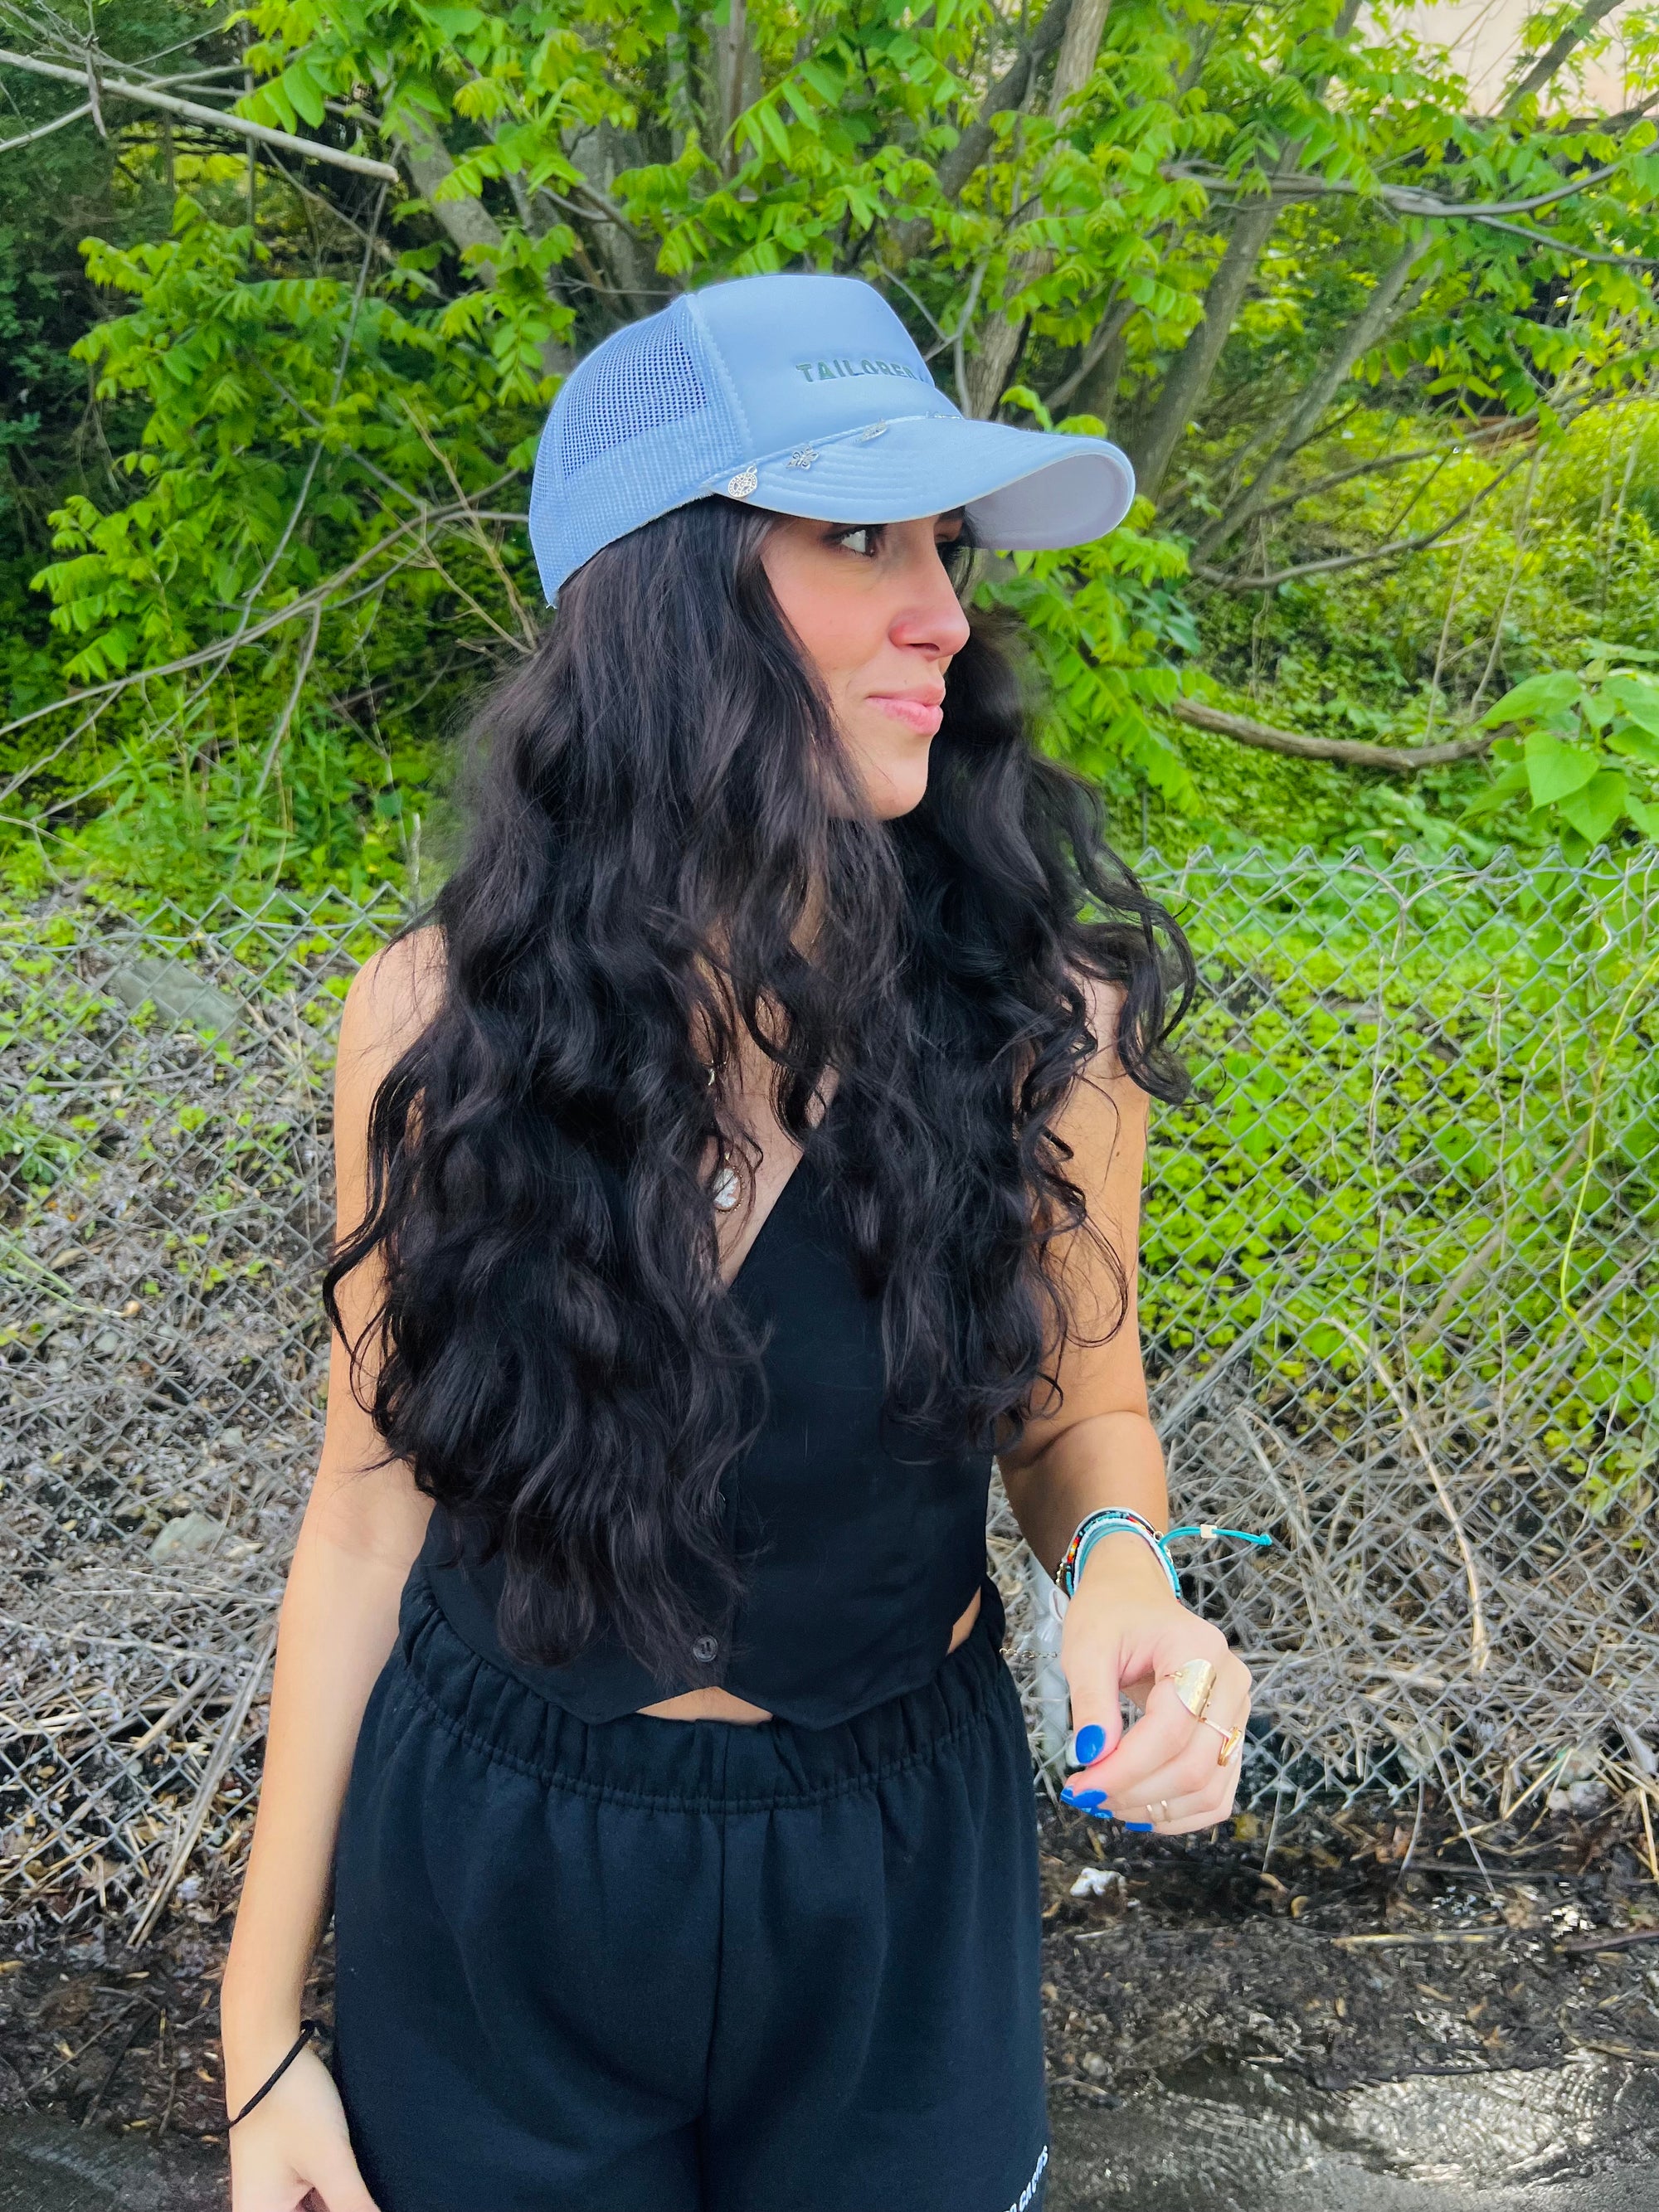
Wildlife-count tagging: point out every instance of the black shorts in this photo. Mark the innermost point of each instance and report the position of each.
(687, 1967)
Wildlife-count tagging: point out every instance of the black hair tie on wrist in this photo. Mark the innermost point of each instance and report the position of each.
(307, 2029)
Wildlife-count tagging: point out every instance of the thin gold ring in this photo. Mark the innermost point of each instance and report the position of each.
(1230, 1739)
(1160, 1811)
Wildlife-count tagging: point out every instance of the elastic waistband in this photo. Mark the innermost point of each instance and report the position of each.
(695, 1765)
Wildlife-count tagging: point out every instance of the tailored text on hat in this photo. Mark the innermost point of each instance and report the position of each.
(820, 372)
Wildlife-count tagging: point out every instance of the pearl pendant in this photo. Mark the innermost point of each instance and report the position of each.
(727, 1189)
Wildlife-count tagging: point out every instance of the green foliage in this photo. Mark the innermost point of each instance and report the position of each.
(1430, 1116)
(1585, 750)
(313, 404)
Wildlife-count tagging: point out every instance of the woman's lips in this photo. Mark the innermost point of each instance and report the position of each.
(922, 716)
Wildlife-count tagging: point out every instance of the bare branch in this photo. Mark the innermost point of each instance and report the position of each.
(45, 129)
(147, 96)
(1380, 464)
(1339, 562)
(1405, 199)
(46, 760)
(1346, 752)
(303, 669)
(1555, 54)
(383, 250)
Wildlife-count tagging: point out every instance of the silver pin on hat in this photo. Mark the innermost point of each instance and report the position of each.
(741, 485)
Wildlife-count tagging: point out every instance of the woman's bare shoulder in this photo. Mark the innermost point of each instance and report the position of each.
(1105, 1001)
(393, 997)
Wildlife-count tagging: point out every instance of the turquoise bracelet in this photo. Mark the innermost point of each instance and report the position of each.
(1121, 1520)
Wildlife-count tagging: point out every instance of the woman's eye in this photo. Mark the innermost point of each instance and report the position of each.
(863, 539)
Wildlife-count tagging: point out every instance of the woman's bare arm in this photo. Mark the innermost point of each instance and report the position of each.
(1098, 1447)
(1126, 1631)
(361, 1532)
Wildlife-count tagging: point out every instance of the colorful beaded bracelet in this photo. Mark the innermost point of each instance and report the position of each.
(1113, 1520)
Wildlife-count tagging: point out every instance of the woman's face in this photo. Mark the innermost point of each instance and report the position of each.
(875, 610)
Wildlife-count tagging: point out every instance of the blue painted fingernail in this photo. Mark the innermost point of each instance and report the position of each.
(1087, 1745)
(1091, 1801)
(1137, 1827)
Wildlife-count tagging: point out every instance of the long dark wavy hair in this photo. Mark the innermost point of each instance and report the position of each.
(661, 816)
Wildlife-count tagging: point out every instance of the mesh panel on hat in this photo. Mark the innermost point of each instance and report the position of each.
(643, 380)
(638, 426)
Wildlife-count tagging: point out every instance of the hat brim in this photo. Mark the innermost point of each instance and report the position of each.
(1022, 489)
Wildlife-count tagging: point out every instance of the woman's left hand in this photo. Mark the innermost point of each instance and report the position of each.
(1125, 1634)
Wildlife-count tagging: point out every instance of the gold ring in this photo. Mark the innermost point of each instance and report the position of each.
(1161, 1810)
(1195, 1685)
(1230, 1739)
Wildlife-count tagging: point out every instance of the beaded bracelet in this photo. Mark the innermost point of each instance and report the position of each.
(1114, 1520)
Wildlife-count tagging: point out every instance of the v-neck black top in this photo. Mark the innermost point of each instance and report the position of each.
(862, 1552)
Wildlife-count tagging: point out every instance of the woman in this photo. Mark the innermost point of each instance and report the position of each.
(749, 1147)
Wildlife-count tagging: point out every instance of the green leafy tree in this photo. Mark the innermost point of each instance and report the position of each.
(1339, 321)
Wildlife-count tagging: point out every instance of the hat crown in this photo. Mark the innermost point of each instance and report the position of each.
(718, 380)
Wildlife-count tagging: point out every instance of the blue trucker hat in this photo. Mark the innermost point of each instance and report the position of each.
(806, 395)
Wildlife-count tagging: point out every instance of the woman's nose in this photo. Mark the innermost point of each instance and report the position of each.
(933, 620)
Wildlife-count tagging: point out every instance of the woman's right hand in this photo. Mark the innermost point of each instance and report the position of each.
(293, 2149)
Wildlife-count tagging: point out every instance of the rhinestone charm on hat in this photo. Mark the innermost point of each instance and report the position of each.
(802, 458)
(741, 485)
(875, 430)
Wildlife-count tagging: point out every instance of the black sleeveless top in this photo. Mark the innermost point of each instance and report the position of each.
(862, 1553)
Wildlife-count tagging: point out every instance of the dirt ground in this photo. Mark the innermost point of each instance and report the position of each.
(1335, 1959)
(1325, 1956)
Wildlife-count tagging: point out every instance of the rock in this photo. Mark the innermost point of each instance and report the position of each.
(197, 1532)
(179, 994)
(1099, 1882)
(1582, 1798)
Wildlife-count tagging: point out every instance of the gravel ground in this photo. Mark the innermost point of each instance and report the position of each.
(1232, 2028)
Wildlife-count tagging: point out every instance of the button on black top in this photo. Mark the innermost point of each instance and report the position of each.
(705, 1651)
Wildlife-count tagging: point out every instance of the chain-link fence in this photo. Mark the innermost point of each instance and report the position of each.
(1401, 1305)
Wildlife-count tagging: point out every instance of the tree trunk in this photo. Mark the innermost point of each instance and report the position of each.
(1009, 91)
(1151, 446)
(468, 222)
(731, 65)
(1000, 338)
(1366, 329)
